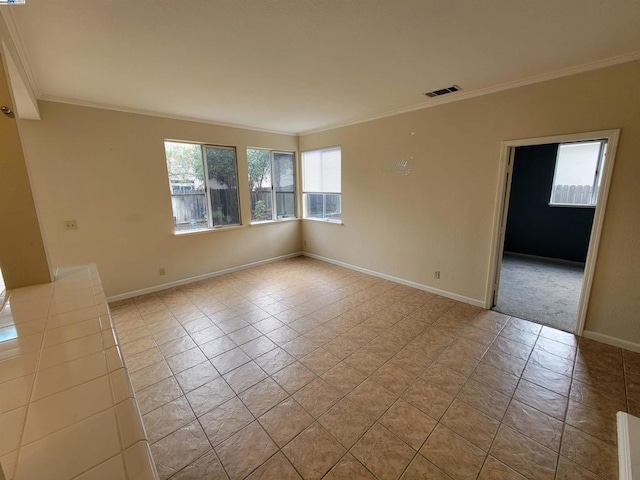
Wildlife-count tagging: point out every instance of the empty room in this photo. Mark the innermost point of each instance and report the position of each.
(289, 239)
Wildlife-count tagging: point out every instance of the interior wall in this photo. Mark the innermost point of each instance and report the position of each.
(107, 170)
(533, 226)
(23, 259)
(439, 216)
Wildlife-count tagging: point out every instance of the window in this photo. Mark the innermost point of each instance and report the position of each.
(321, 184)
(271, 182)
(578, 173)
(204, 194)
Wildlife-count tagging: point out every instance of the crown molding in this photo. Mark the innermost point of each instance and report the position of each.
(150, 113)
(16, 38)
(464, 95)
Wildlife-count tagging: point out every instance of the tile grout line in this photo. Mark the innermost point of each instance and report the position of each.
(33, 384)
(322, 344)
(290, 395)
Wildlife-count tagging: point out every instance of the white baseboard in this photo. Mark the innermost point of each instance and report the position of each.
(185, 281)
(408, 283)
(616, 342)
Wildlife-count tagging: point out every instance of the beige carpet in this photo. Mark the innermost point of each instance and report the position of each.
(541, 290)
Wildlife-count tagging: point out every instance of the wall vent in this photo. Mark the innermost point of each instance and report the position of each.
(443, 91)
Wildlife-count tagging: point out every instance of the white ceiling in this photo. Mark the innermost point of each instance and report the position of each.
(300, 65)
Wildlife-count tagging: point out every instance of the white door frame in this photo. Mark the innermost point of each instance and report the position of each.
(502, 206)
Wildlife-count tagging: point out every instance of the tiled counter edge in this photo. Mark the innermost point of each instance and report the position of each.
(67, 408)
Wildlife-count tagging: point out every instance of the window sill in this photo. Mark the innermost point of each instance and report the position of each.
(183, 233)
(326, 220)
(271, 222)
(571, 205)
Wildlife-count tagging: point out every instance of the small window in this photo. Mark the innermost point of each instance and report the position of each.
(578, 173)
(271, 182)
(322, 184)
(204, 194)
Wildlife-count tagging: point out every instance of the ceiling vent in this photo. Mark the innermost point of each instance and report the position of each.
(443, 91)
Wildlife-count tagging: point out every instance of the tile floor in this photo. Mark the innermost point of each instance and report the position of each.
(301, 369)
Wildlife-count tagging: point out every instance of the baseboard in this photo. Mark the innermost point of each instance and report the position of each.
(549, 259)
(185, 281)
(614, 341)
(402, 281)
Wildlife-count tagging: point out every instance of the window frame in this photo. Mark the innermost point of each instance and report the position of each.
(274, 205)
(596, 177)
(207, 189)
(305, 202)
(212, 226)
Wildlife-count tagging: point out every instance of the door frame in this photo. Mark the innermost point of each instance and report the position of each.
(501, 209)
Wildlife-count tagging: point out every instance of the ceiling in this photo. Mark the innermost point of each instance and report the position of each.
(300, 65)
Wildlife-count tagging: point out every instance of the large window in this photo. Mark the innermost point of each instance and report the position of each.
(322, 184)
(271, 182)
(578, 173)
(203, 180)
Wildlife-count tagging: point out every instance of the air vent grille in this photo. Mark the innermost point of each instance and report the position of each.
(443, 91)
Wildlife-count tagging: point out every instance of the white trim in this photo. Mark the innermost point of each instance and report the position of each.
(184, 233)
(501, 203)
(150, 113)
(16, 37)
(596, 230)
(463, 95)
(325, 220)
(18, 44)
(628, 443)
(273, 222)
(616, 342)
(402, 281)
(624, 446)
(185, 281)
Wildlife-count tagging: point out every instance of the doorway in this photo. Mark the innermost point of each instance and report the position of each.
(547, 223)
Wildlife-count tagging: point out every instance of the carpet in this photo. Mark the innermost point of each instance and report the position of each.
(540, 290)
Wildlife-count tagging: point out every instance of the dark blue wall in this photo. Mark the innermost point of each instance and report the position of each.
(535, 228)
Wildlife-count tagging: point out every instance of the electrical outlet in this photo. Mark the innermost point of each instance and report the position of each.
(70, 225)
(436, 274)
(162, 271)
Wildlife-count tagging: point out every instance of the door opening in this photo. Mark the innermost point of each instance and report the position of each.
(547, 223)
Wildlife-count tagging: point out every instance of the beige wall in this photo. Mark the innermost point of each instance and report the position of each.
(107, 171)
(22, 256)
(439, 217)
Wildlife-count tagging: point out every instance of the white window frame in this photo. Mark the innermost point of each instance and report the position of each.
(207, 190)
(305, 193)
(274, 206)
(596, 178)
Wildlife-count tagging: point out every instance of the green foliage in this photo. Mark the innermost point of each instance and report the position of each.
(221, 164)
(260, 210)
(184, 163)
(259, 163)
(219, 218)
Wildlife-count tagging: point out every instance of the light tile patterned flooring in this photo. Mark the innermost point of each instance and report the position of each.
(301, 369)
